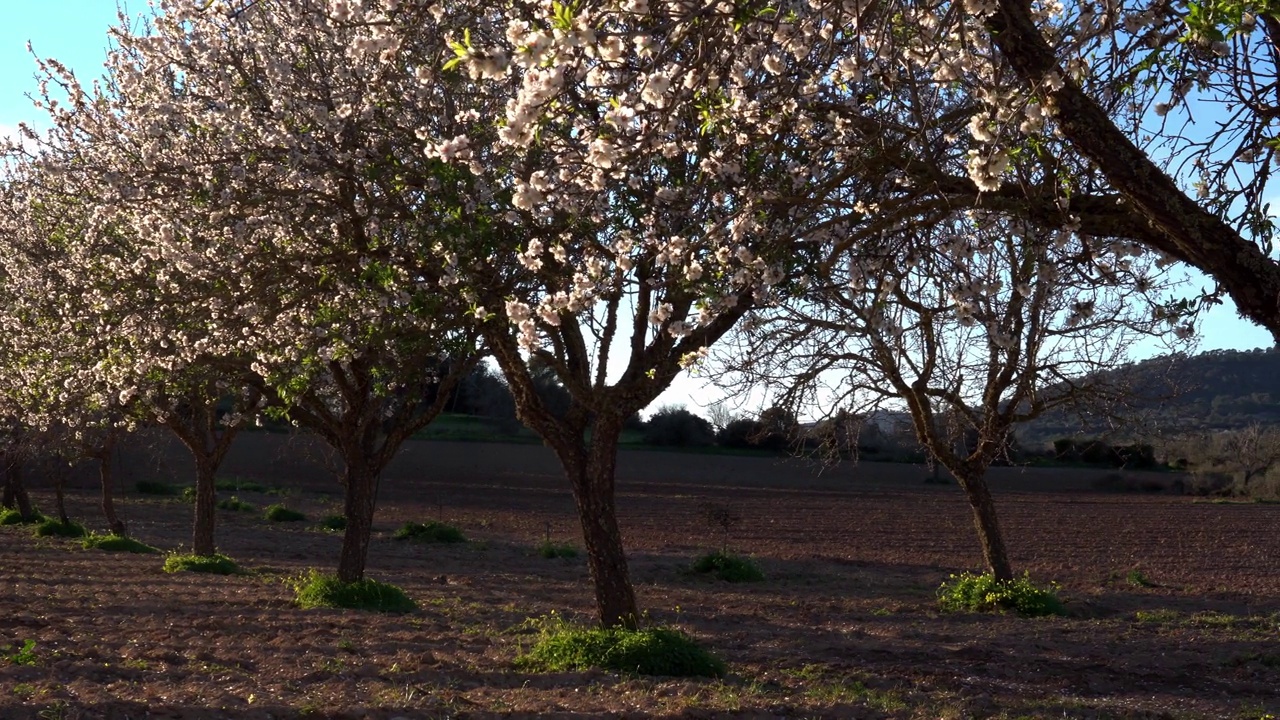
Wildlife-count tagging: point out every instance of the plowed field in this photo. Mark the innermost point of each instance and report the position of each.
(1175, 603)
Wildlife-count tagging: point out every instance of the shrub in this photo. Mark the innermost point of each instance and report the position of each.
(13, 517)
(314, 589)
(53, 527)
(280, 513)
(237, 485)
(116, 543)
(672, 426)
(550, 550)
(727, 567)
(434, 532)
(151, 487)
(235, 504)
(651, 651)
(333, 522)
(215, 564)
(969, 592)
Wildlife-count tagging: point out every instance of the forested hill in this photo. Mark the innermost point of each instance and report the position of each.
(1222, 388)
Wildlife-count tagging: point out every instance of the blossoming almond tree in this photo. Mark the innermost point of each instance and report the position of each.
(971, 326)
(263, 165)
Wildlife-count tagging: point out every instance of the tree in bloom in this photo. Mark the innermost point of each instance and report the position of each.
(89, 342)
(970, 326)
(260, 164)
(642, 224)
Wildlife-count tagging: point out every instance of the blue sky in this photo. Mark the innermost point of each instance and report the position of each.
(75, 32)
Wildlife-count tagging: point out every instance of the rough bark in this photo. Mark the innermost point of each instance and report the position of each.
(202, 536)
(592, 474)
(1187, 231)
(987, 524)
(361, 486)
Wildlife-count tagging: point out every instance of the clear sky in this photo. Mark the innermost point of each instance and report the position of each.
(75, 32)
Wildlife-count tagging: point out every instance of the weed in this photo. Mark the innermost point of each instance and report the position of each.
(189, 494)
(968, 592)
(56, 528)
(152, 487)
(1137, 579)
(136, 664)
(314, 589)
(280, 513)
(727, 567)
(56, 711)
(9, 516)
(333, 522)
(25, 655)
(215, 564)
(550, 550)
(650, 651)
(434, 532)
(235, 504)
(24, 691)
(1156, 617)
(116, 543)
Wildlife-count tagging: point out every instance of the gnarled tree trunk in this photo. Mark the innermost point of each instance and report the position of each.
(360, 482)
(986, 523)
(202, 535)
(104, 454)
(591, 470)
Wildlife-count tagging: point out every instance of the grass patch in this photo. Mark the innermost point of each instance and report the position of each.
(969, 592)
(432, 532)
(9, 516)
(728, 567)
(116, 543)
(333, 522)
(651, 651)
(235, 504)
(153, 487)
(280, 513)
(551, 550)
(216, 564)
(52, 527)
(315, 589)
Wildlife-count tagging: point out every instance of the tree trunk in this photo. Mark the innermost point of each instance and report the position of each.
(361, 483)
(202, 542)
(986, 523)
(592, 473)
(16, 491)
(114, 523)
(59, 497)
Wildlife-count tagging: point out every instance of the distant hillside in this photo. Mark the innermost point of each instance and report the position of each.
(1219, 389)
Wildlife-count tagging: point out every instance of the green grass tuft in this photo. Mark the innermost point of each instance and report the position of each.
(53, 527)
(433, 532)
(551, 550)
(280, 513)
(315, 589)
(650, 651)
(237, 485)
(727, 567)
(235, 504)
(116, 543)
(969, 592)
(333, 522)
(13, 517)
(152, 487)
(216, 564)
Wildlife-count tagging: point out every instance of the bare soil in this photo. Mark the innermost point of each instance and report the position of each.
(1174, 602)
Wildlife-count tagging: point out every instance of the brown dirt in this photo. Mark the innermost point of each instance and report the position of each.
(846, 626)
